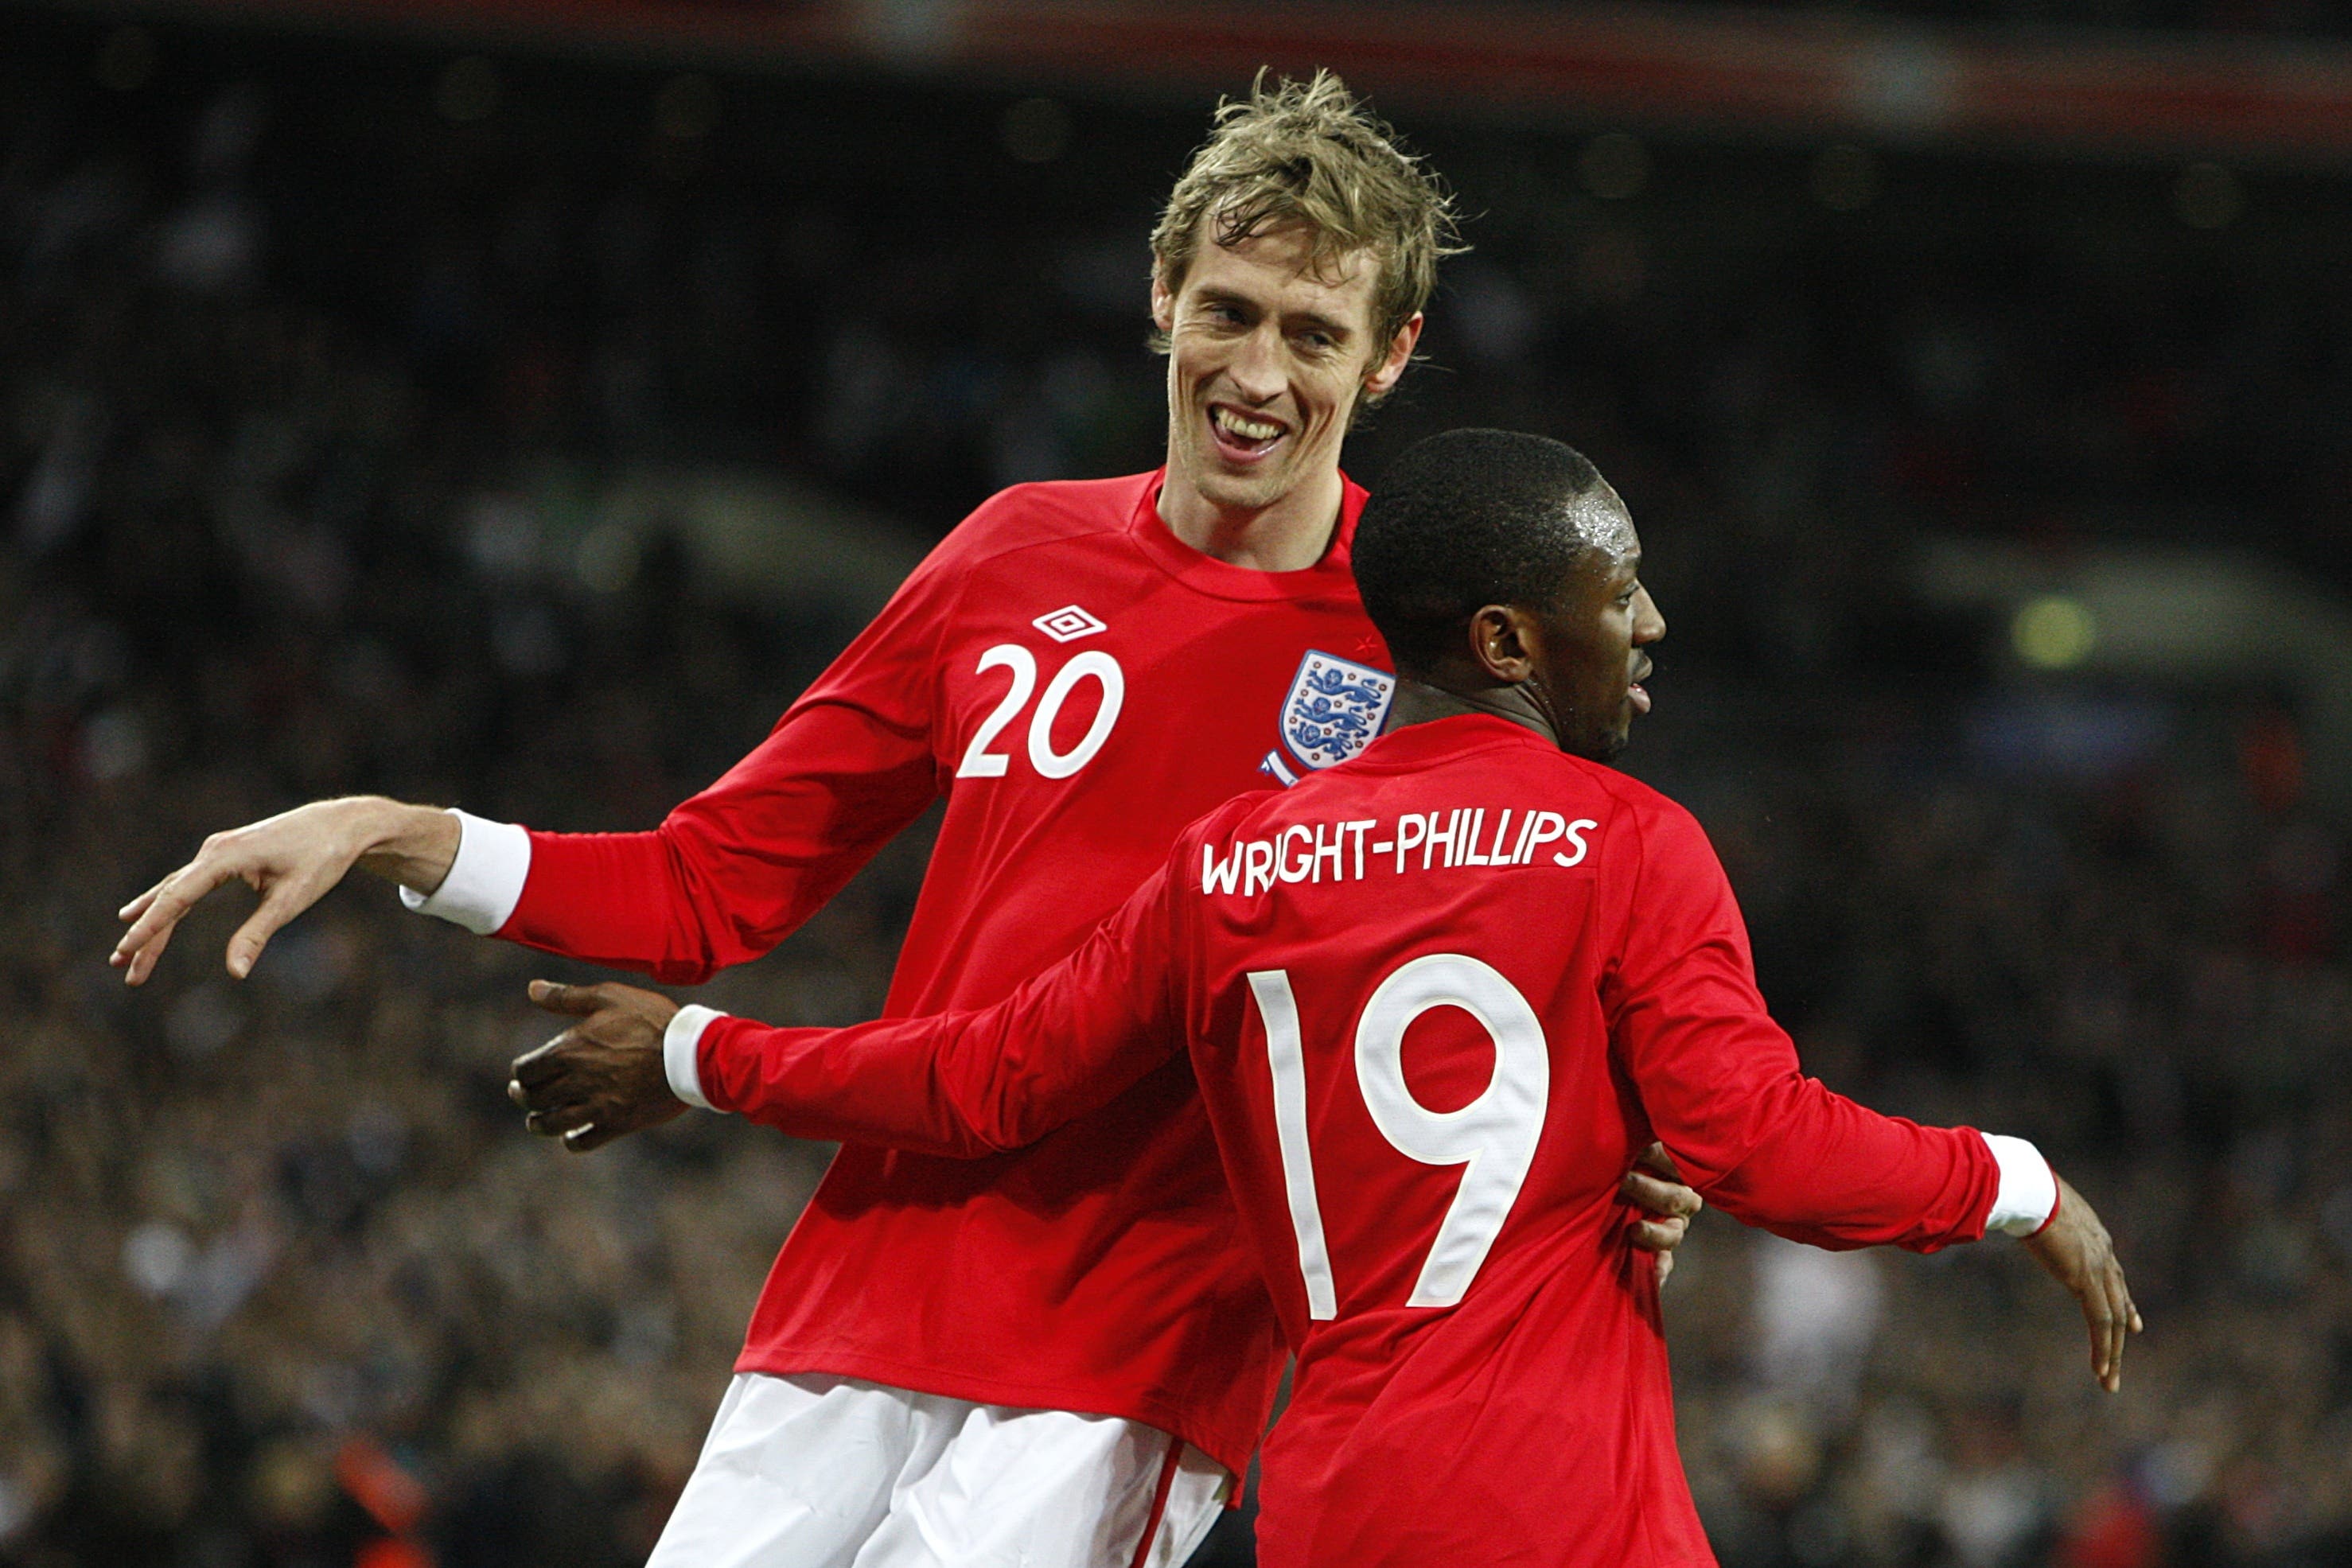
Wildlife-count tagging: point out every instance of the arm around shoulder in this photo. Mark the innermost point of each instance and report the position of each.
(1067, 1042)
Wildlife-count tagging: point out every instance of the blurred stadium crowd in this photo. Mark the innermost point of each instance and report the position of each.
(320, 364)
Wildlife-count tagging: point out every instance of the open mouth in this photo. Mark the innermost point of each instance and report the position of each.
(1634, 692)
(1242, 436)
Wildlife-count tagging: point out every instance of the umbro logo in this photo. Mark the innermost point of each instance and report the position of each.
(1067, 624)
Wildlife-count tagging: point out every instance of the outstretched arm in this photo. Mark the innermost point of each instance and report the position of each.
(1720, 1084)
(967, 1084)
(728, 874)
(291, 860)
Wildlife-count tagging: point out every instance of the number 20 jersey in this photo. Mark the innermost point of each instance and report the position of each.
(1079, 684)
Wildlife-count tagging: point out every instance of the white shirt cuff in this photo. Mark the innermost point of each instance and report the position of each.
(2029, 1188)
(680, 1043)
(484, 882)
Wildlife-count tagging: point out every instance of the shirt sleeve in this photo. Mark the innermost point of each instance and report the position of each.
(735, 869)
(1719, 1081)
(484, 881)
(1067, 1042)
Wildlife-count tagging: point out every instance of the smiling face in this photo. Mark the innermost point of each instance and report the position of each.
(1269, 353)
(1587, 648)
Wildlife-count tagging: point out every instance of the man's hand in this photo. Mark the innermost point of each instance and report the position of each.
(1654, 1186)
(291, 860)
(2080, 1255)
(602, 1077)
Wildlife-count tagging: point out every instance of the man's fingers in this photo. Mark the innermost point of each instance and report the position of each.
(152, 911)
(558, 1120)
(2106, 1311)
(573, 1001)
(1667, 1197)
(1655, 1160)
(2094, 1314)
(2126, 1318)
(2117, 1317)
(543, 1065)
(551, 1095)
(159, 910)
(281, 904)
(143, 961)
(591, 1136)
(1659, 1235)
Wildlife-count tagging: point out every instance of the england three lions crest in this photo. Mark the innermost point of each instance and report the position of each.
(1333, 709)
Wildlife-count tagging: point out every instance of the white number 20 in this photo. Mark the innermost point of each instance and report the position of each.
(980, 762)
(1493, 1136)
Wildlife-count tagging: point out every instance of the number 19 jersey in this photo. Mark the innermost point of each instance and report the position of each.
(1435, 997)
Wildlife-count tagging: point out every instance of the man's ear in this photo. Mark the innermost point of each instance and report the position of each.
(1503, 641)
(1390, 369)
(1164, 303)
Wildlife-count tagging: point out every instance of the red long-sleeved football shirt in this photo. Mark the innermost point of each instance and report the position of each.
(1434, 999)
(1079, 684)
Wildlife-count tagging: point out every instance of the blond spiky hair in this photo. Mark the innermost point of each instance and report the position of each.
(1310, 152)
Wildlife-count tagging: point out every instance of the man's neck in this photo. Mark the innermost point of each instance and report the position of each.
(1291, 535)
(1418, 701)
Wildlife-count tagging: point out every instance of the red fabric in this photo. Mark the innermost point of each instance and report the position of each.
(1533, 1422)
(376, 1481)
(1096, 1271)
(2115, 1529)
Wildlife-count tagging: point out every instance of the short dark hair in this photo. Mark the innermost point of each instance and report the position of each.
(1468, 518)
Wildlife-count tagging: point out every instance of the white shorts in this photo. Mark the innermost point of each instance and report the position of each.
(834, 1472)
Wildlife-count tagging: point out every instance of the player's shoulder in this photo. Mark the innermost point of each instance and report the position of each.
(1049, 512)
(1668, 831)
(1642, 802)
(1237, 815)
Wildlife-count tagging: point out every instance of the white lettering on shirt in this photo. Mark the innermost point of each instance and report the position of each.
(1284, 866)
(1321, 851)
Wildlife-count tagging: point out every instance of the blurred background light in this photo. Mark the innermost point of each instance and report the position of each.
(2054, 633)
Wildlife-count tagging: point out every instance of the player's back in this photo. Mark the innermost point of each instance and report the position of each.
(1398, 1028)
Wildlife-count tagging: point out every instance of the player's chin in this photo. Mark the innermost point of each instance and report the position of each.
(1256, 487)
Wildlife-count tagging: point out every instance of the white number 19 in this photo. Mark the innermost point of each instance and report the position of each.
(1493, 1136)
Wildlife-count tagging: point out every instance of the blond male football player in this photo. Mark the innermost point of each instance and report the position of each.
(1060, 1355)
